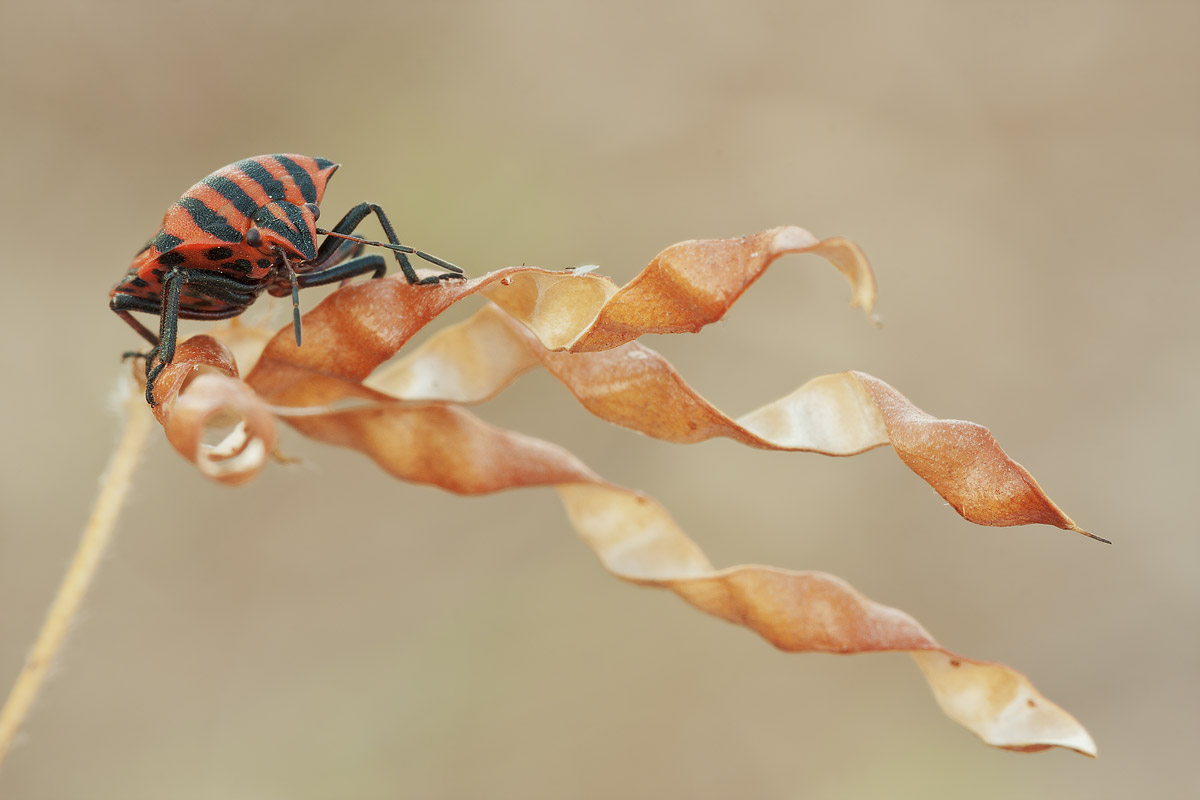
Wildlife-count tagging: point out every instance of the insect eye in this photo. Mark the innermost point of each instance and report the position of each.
(253, 237)
(313, 209)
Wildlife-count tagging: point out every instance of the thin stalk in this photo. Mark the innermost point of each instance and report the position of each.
(114, 487)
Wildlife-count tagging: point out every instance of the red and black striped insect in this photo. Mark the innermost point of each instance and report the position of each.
(249, 227)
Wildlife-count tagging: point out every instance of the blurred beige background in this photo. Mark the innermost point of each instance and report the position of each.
(1023, 177)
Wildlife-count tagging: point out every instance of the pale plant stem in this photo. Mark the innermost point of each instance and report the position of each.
(114, 486)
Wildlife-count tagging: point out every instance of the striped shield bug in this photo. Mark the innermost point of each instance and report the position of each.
(249, 227)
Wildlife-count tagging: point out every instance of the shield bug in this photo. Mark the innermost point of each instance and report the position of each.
(247, 228)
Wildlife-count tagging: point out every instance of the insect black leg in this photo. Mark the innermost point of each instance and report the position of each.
(168, 329)
(344, 271)
(124, 303)
(219, 287)
(356, 215)
(347, 251)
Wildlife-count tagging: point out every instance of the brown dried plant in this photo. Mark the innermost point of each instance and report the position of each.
(411, 419)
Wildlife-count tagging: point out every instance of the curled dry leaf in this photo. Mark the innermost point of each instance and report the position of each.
(410, 419)
(206, 397)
